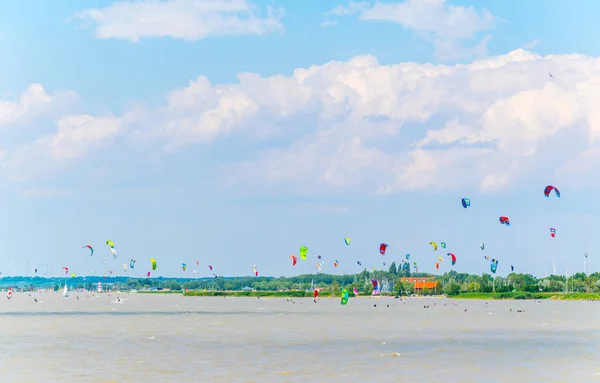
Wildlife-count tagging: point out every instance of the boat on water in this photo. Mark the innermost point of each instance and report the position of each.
(65, 291)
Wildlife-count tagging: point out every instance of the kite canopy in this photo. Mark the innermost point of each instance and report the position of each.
(347, 241)
(303, 251)
(91, 249)
(344, 296)
(466, 202)
(153, 261)
(504, 220)
(434, 245)
(494, 266)
(453, 258)
(382, 248)
(549, 189)
(111, 245)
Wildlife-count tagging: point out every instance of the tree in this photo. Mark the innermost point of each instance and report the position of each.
(334, 287)
(393, 269)
(452, 289)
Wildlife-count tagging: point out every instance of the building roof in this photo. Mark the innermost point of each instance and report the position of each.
(427, 284)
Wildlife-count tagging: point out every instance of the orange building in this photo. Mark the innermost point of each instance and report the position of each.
(421, 283)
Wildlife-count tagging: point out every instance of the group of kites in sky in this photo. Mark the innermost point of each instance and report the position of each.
(153, 264)
(466, 203)
(303, 254)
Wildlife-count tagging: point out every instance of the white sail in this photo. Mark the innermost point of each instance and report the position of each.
(65, 291)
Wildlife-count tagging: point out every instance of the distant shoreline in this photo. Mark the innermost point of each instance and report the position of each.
(481, 296)
(529, 296)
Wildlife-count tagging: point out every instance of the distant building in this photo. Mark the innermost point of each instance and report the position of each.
(247, 288)
(421, 283)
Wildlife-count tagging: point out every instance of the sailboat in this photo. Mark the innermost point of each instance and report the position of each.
(65, 291)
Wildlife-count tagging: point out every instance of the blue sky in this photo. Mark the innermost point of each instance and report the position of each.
(235, 140)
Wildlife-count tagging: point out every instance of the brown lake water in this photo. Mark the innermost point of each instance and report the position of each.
(171, 338)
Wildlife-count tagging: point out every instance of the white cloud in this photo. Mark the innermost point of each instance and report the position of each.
(365, 127)
(35, 102)
(76, 137)
(181, 19)
(388, 128)
(447, 26)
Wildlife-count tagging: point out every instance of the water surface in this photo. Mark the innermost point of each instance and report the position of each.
(171, 338)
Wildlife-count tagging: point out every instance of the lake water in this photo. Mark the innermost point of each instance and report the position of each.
(171, 338)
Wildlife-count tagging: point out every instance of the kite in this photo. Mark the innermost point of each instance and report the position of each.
(303, 251)
(466, 202)
(549, 189)
(494, 266)
(183, 266)
(382, 248)
(453, 258)
(132, 263)
(344, 296)
(153, 261)
(255, 271)
(376, 290)
(91, 249)
(504, 220)
(443, 245)
(347, 241)
(294, 260)
(434, 245)
(553, 232)
(111, 244)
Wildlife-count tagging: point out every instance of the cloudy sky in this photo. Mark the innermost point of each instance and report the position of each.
(232, 132)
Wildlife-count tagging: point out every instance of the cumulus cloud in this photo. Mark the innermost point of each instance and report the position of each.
(447, 26)
(390, 128)
(34, 102)
(181, 19)
(361, 126)
(76, 137)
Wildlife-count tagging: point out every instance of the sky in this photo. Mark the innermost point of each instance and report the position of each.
(232, 132)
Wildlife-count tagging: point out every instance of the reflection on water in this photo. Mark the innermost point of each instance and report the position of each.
(170, 338)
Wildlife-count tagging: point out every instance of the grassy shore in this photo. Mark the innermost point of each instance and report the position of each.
(524, 295)
(279, 294)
